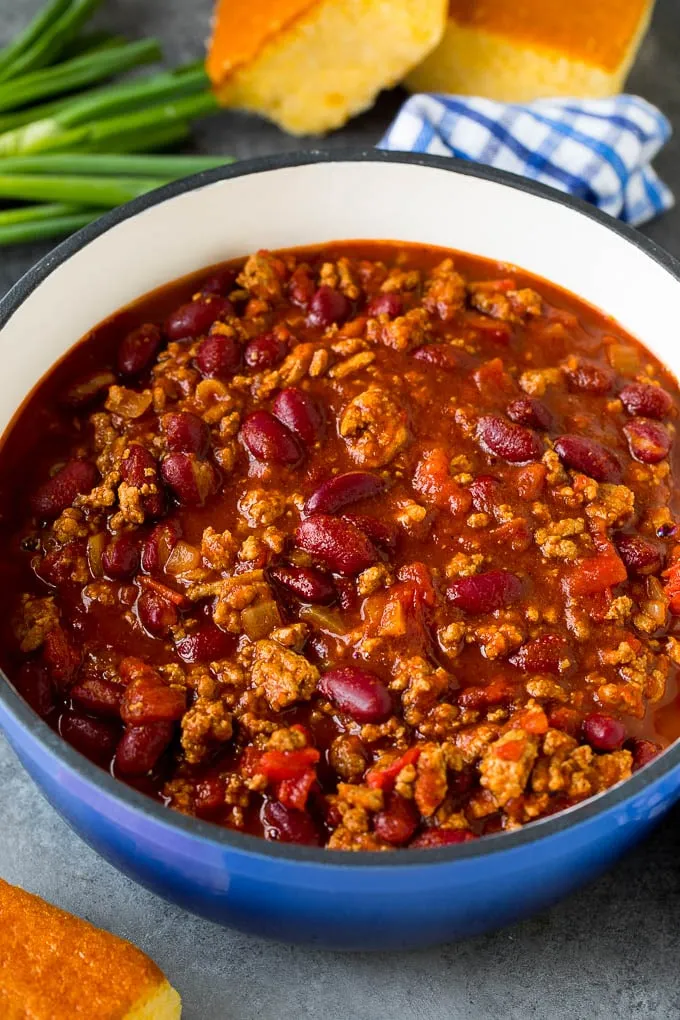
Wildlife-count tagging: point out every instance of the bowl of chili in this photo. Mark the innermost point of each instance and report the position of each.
(354, 545)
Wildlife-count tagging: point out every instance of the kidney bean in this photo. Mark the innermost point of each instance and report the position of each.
(648, 441)
(640, 556)
(158, 546)
(499, 691)
(328, 306)
(156, 614)
(34, 684)
(602, 732)
(196, 317)
(589, 457)
(484, 491)
(588, 377)
(60, 657)
(544, 654)
(288, 825)
(139, 468)
(88, 388)
(306, 584)
(192, 480)
(484, 593)
(381, 533)
(265, 351)
(219, 356)
(514, 443)
(269, 440)
(643, 752)
(444, 356)
(300, 413)
(342, 490)
(336, 544)
(386, 304)
(120, 558)
(646, 400)
(219, 283)
(98, 696)
(186, 433)
(441, 837)
(138, 349)
(96, 738)
(75, 478)
(207, 644)
(346, 593)
(358, 693)
(398, 820)
(140, 747)
(529, 411)
(147, 700)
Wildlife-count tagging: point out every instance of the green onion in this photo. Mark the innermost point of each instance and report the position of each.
(48, 135)
(32, 32)
(110, 99)
(36, 212)
(74, 74)
(78, 150)
(110, 165)
(46, 229)
(133, 95)
(17, 119)
(56, 34)
(91, 42)
(183, 109)
(95, 191)
(164, 136)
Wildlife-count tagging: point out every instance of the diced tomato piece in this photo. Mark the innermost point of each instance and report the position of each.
(294, 792)
(432, 480)
(533, 720)
(566, 719)
(492, 379)
(595, 574)
(512, 751)
(530, 480)
(280, 765)
(383, 779)
(419, 574)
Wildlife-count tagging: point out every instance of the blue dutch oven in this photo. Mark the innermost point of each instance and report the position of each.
(329, 898)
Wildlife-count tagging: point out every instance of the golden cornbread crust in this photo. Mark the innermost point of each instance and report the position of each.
(241, 28)
(54, 966)
(534, 49)
(327, 62)
(599, 33)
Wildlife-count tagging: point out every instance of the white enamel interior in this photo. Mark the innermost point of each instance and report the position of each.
(331, 201)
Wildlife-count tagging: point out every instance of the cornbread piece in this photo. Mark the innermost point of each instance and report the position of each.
(540, 48)
(54, 966)
(309, 65)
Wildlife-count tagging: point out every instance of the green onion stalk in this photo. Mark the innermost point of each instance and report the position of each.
(53, 38)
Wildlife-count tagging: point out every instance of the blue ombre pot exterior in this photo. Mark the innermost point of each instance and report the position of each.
(326, 898)
(381, 901)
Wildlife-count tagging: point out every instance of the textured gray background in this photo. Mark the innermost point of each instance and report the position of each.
(610, 951)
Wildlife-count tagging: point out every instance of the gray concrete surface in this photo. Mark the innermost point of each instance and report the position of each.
(610, 951)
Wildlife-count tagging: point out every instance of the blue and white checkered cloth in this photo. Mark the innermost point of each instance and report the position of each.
(597, 149)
